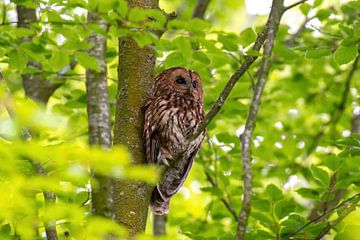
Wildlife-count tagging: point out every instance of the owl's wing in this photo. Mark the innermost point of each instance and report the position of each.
(151, 139)
(175, 177)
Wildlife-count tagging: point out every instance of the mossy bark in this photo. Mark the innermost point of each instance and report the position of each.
(135, 74)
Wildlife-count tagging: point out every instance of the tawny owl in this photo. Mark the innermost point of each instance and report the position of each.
(173, 113)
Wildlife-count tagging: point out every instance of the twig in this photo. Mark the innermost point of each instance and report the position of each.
(290, 42)
(249, 60)
(294, 5)
(223, 200)
(353, 200)
(273, 25)
(200, 8)
(231, 83)
(4, 13)
(338, 111)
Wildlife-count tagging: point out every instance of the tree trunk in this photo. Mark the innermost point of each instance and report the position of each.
(99, 116)
(38, 89)
(159, 227)
(200, 8)
(355, 124)
(135, 74)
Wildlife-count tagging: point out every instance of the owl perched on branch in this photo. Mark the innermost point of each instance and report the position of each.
(173, 113)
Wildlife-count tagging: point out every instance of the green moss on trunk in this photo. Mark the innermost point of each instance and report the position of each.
(135, 73)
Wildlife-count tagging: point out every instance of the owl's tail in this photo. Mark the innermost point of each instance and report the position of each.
(158, 204)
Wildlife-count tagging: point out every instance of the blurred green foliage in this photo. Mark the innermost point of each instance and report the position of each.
(292, 165)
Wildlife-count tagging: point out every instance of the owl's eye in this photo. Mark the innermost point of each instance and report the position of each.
(180, 80)
(195, 84)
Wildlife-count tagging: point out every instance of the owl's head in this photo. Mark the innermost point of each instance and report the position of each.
(181, 81)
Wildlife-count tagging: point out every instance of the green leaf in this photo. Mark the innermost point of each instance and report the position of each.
(261, 204)
(345, 54)
(273, 192)
(308, 193)
(123, 8)
(213, 190)
(305, 8)
(323, 14)
(357, 29)
(183, 44)
(87, 61)
(175, 59)
(317, 3)
(317, 53)
(283, 208)
(17, 59)
(229, 41)
(201, 57)
(58, 60)
(350, 41)
(5, 230)
(137, 15)
(81, 198)
(321, 175)
(247, 37)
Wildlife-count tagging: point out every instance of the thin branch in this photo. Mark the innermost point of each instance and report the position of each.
(273, 25)
(226, 202)
(249, 60)
(294, 5)
(345, 204)
(4, 13)
(200, 8)
(290, 42)
(338, 111)
(335, 222)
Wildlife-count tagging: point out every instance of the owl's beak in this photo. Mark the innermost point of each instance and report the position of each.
(188, 87)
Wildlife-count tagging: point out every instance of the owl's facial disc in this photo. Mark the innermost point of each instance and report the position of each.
(185, 82)
(186, 85)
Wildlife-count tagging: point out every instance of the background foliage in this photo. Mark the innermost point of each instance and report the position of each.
(303, 134)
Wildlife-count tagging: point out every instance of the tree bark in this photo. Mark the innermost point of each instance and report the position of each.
(159, 227)
(355, 124)
(99, 116)
(200, 8)
(274, 22)
(135, 74)
(38, 89)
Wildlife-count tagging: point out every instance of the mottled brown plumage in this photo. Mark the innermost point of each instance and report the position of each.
(173, 113)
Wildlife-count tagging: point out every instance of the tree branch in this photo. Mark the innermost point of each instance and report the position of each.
(294, 5)
(290, 42)
(249, 60)
(354, 200)
(347, 210)
(223, 200)
(273, 25)
(200, 8)
(338, 111)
